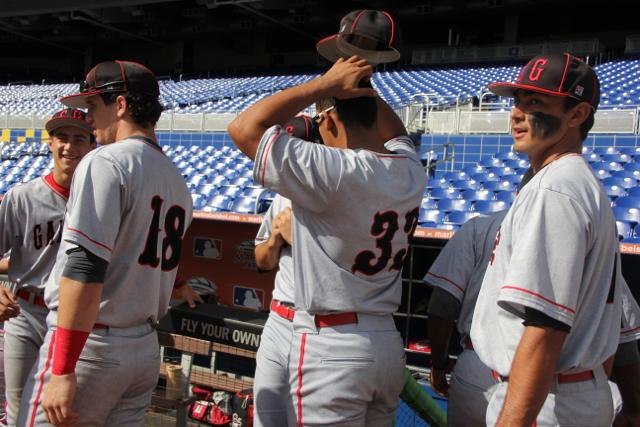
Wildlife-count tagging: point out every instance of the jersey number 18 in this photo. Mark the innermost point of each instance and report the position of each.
(173, 231)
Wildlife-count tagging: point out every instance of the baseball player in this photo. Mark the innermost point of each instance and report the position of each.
(4, 269)
(31, 216)
(273, 250)
(548, 313)
(355, 204)
(120, 248)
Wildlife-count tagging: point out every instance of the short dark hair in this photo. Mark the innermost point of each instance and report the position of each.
(144, 109)
(361, 111)
(586, 126)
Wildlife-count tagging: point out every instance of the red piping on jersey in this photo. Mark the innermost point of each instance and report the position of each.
(444, 278)
(564, 73)
(47, 363)
(57, 188)
(265, 156)
(89, 238)
(626, 331)
(303, 342)
(526, 291)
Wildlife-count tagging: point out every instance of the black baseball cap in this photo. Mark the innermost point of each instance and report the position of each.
(369, 34)
(68, 117)
(557, 74)
(303, 127)
(114, 77)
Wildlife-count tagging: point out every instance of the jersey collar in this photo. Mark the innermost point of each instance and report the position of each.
(57, 188)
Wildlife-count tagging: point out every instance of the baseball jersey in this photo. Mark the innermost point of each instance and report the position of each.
(353, 214)
(283, 285)
(630, 327)
(130, 206)
(460, 266)
(556, 252)
(31, 217)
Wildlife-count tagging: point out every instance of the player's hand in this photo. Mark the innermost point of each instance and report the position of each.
(9, 306)
(282, 223)
(186, 293)
(58, 398)
(438, 380)
(343, 78)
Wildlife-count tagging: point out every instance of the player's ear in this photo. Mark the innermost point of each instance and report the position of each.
(121, 104)
(579, 114)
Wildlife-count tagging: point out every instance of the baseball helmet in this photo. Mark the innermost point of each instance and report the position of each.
(304, 127)
(203, 286)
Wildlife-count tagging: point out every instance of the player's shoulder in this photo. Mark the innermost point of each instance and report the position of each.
(26, 189)
(570, 175)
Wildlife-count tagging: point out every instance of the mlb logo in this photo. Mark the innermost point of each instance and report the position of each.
(205, 247)
(250, 298)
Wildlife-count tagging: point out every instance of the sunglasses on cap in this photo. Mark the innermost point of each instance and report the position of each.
(116, 86)
(318, 117)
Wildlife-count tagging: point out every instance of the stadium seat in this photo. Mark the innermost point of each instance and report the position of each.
(633, 240)
(625, 229)
(614, 191)
(628, 202)
(444, 193)
(625, 183)
(486, 207)
(429, 203)
(430, 215)
(634, 192)
(438, 183)
(473, 195)
(246, 205)
(506, 196)
(626, 214)
(459, 217)
(608, 166)
(498, 186)
(449, 205)
(617, 158)
(465, 184)
(491, 162)
(470, 170)
(454, 176)
(220, 203)
(230, 190)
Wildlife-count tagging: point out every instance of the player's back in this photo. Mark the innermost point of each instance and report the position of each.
(140, 230)
(353, 250)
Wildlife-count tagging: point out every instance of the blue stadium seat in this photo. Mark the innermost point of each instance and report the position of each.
(602, 173)
(507, 155)
(605, 150)
(626, 214)
(487, 207)
(634, 192)
(633, 166)
(451, 227)
(449, 205)
(491, 162)
(444, 193)
(617, 158)
(246, 205)
(230, 190)
(614, 191)
(626, 174)
(628, 202)
(608, 166)
(430, 215)
(459, 217)
(470, 170)
(632, 151)
(625, 229)
(253, 191)
(506, 196)
(517, 164)
(220, 203)
(625, 183)
(429, 203)
(428, 224)
(498, 186)
(454, 176)
(465, 184)
(473, 195)
(514, 179)
(634, 240)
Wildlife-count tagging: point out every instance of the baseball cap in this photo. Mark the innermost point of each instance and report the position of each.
(68, 117)
(114, 77)
(557, 74)
(303, 127)
(369, 34)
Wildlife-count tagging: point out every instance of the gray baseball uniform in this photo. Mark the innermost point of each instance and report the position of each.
(353, 212)
(459, 270)
(271, 380)
(556, 252)
(31, 217)
(130, 206)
